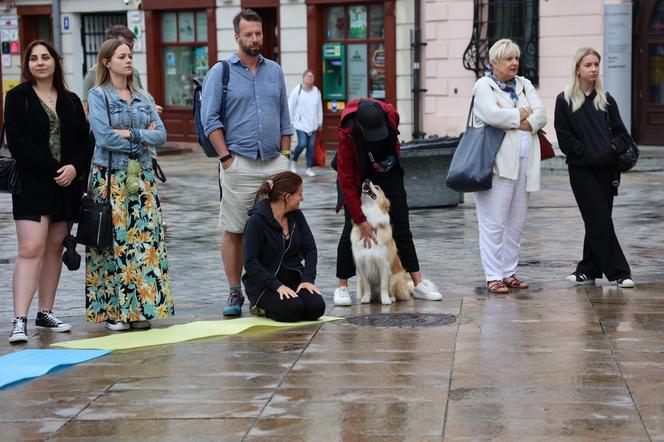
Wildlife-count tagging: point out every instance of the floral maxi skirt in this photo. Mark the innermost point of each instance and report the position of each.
(129, 282)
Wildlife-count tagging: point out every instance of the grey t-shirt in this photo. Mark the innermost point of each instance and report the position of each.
(91, 77)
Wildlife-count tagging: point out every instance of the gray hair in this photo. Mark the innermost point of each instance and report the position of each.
(503, 48)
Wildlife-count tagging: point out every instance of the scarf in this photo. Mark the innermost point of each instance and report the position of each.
(510, 87)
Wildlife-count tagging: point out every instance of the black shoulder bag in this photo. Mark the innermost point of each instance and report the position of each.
(10, 171)
(95, 219)
(628, 158)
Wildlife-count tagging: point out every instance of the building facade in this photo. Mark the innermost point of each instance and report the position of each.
(360, 48)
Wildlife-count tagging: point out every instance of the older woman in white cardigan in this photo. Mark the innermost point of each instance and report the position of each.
(507, 101)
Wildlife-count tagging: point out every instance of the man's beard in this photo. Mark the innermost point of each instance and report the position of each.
(252, 52)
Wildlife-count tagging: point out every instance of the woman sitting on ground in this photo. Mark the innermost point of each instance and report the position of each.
(276, 239)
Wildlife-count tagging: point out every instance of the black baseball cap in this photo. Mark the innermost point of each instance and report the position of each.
(370, 117)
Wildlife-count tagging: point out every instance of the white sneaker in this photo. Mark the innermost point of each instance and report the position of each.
(341, 296)
(310, 172)
(293, 166)
(427, 290)
(626, 283)
(117, 325)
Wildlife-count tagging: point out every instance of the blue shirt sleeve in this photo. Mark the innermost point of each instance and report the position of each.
(211, 100)
(285, 123)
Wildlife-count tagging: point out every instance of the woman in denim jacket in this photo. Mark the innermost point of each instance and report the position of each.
(127, 286)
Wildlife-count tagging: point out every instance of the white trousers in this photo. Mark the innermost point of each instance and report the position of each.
(501, 216)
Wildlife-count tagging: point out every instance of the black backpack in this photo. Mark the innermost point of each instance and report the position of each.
(200, 130)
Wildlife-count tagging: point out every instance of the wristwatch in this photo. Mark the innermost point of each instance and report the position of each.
(225, 158)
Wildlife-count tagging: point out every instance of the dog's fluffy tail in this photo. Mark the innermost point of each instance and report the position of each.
(401, 287)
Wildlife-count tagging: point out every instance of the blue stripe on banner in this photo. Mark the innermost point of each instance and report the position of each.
(33, 363)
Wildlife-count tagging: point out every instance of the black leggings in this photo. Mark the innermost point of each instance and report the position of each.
(393, 187)
(602, 253)
(306, 307)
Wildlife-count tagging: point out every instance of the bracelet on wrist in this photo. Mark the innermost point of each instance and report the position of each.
(286, 153)
(225, 158)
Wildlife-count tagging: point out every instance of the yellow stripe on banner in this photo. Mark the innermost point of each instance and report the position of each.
(182, 332)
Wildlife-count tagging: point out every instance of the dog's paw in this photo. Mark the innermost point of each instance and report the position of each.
(385, 301)
(393, 298)
(365, 300)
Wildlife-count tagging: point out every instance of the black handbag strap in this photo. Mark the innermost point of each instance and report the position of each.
(470, 111)
(110, 156)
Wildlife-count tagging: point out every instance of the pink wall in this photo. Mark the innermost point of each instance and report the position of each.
(565, 25)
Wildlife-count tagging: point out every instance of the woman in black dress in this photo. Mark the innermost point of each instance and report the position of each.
(47, 134)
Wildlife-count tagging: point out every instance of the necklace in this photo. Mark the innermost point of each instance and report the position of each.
(47, 98)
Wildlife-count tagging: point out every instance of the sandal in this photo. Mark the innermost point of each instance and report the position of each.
(515, 283)
(497, 286)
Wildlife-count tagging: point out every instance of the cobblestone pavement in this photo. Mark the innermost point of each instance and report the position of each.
(552, 362)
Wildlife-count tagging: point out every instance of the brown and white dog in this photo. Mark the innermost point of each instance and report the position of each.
(379, 269)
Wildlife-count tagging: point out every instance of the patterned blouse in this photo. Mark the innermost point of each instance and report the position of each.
(54, 131)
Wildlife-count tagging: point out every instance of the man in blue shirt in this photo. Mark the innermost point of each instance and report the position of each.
(253, 141)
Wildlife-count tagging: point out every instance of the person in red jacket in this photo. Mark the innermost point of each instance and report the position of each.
(369, 148)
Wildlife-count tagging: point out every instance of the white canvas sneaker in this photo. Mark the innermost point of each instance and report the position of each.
(427, 290)
(341, 296)
(293, 166)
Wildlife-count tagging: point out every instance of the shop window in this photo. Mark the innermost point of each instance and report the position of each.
(657, 18)
(517, 20)
(355, 33)
(185, 54)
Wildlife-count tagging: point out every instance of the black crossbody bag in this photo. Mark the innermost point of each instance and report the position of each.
(95, 219)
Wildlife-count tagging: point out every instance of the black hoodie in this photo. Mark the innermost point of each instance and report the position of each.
(584, 135)
(265, 250)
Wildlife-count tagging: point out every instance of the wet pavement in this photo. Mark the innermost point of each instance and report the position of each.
(552, 362)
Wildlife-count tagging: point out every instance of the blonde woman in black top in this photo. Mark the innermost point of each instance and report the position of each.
(47, 134)
(591, 132)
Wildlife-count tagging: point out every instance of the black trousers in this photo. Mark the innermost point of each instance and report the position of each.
(306, 307)
(594, 194)
(392, 184)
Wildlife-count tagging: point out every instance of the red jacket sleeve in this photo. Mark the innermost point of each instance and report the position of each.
(349, 177)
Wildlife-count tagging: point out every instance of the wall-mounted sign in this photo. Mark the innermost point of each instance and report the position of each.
(6, 60)
(617, 61)
(66, 23)
(14, 48)
(8, 21)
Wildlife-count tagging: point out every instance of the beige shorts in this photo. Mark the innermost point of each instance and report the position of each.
(239, 184)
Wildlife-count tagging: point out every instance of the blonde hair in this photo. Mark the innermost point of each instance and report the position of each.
(105, 54)
(503, 48)
(573, 93)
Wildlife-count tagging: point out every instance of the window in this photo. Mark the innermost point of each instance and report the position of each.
(359, 29)
(517, 20)
(185, 54)
(93, 34)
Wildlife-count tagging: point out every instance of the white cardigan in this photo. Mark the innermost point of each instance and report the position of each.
(492, 107)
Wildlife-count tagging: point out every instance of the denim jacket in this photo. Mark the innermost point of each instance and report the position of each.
(136, 116)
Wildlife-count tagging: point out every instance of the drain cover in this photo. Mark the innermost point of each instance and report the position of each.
(403, 320)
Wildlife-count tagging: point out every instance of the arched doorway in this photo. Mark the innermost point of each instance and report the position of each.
(651, 81)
